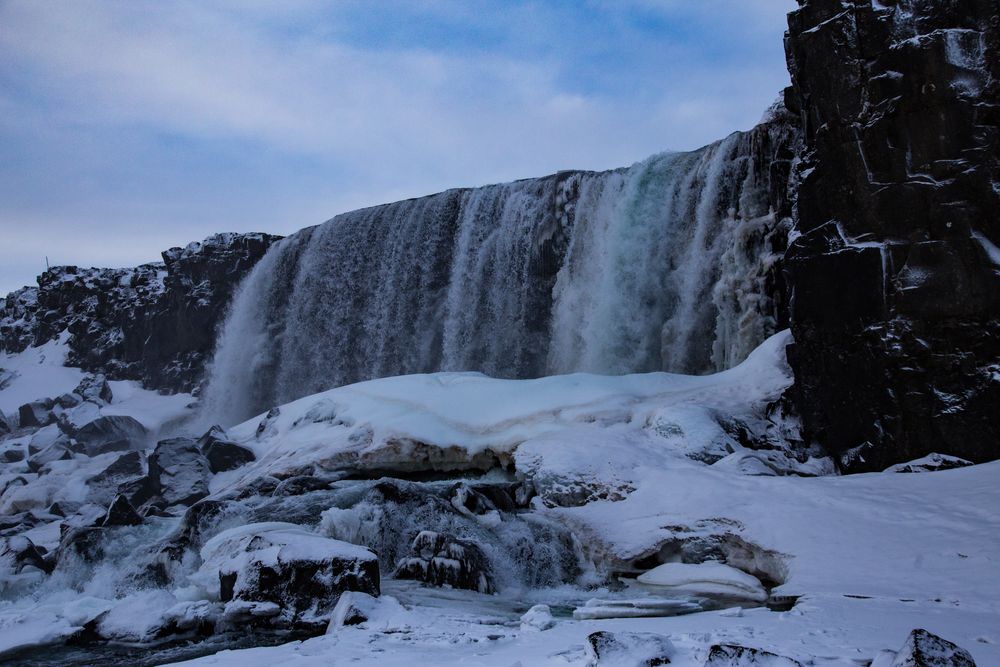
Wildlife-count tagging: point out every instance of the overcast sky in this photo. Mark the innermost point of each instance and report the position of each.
(130, 127)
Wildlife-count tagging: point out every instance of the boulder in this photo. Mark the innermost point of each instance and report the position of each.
(179, 471)
(104, 485)
(924, 649)
(5, 426)
(121, 513)
(94, 388)
(23, 553)
(628, 649)
(223, 454)
(57, 451)
(731, 655)
(36, 413)
(443, 560)
(286, 574)
(111, 434)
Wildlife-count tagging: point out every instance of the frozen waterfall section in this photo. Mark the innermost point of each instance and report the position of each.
(668, 265)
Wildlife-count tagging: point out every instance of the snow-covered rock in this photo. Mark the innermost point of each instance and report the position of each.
(538, 617)
(302, 574)
(924, 649)
(112, 433)
(628, 649)
(930, 463)
(704, 580)
(731, 655)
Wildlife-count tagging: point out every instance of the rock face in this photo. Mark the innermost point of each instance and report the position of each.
(155, 323)
(895, 277)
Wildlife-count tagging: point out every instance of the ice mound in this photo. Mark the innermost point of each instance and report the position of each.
(708, 579)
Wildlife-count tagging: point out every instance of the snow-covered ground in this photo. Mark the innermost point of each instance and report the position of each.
(645, 470)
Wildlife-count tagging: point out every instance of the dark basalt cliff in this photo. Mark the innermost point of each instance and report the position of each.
(155, 323)
(895, 282)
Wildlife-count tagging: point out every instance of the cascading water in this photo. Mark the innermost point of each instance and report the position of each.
(661, 266)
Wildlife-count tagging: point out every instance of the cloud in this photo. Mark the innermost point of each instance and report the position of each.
(229, 114)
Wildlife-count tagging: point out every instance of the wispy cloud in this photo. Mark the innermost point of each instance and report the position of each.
(172, 120)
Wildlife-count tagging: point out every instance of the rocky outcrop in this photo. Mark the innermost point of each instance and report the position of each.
(894, 275)
(286, 574)
(155, 323)
(925, 649)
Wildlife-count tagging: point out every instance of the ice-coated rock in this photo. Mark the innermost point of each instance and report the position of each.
(538, 617)
(112, 433)
(282, 564)
(443, 560)
(628, 649)
(708, 579)
(95, 388)
(924, 649)
(23, 553)
(731, 655)
(104, 485)
(179, 471)
(930, 463)
(121, 513)
(223, 454)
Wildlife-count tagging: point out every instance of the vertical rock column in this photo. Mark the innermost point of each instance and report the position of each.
(895, 276)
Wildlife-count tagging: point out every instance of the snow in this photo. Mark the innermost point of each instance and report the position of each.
(634, 465)
(38, 373)
(447, 420)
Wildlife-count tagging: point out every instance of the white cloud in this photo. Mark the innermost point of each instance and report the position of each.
(402, 121)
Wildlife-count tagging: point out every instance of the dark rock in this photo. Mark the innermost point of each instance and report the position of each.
(142, 493)
(179, 471)
(12, 455)
(155, 323)
(635, 649)
(121, 513)
(443, 560)
(296, 486)
(57, 451)
(262, 486)
(63, 508)
(223, 454)
(36, 413)
(24, 553)
(95, 388)
(894, 297)
(66, 401)
(5, 425)
(731, 655)
(301, 573)
(923, 649)
(111, 434)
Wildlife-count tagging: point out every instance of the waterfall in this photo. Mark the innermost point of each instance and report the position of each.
(660, 266)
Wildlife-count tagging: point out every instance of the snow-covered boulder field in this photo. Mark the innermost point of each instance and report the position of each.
(458, 519)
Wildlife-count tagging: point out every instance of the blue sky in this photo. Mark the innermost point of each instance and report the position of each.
(130, 127)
